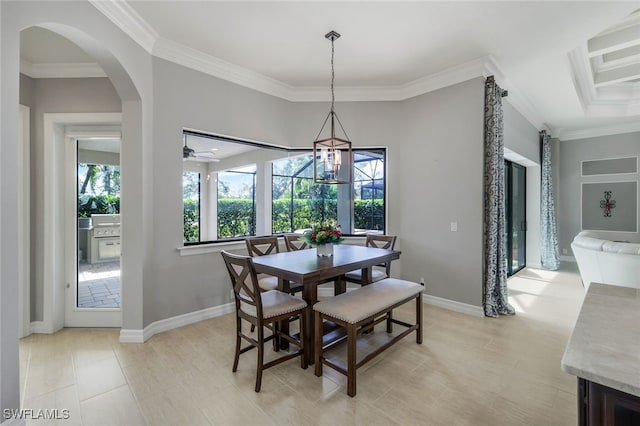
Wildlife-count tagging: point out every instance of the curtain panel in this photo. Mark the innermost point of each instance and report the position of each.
(495, 294)
(548, 232)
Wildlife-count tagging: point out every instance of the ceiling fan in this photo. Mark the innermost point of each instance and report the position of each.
(189, 154)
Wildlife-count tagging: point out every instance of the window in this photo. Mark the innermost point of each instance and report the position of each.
(191, 205)
(237, 202)
(246, 188)
(297, 201)
(368, 183)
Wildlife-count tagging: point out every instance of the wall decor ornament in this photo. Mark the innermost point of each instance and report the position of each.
(607, 204)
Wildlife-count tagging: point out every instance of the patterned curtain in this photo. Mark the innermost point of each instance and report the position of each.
(548, 232)
(495, 295)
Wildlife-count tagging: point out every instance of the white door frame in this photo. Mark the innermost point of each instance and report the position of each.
(24, 222)
(56, 259)
(74, 316)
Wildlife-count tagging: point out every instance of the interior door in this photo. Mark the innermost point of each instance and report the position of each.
(515, 209)
(93, 285)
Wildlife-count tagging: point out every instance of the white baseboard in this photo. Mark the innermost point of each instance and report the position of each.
(452, 305)
(141, 336)
(568, 259)
(39, 327)
(533, 265)
(14, 422)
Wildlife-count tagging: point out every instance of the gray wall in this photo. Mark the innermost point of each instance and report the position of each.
(61, 95)
(571, 154)
(519, 135)
(521, 138)
(440, 169)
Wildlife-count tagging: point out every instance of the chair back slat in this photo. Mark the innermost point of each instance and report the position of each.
(381, 241)
(294, 243)
(260, 246)
(243, 280)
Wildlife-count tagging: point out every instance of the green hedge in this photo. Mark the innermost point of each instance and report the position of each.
(191, 220)
(306, 212)
(236, 219)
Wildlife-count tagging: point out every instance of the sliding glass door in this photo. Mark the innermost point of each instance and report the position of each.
(516, 223)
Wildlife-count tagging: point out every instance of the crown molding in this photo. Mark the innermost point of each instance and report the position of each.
(128, 20)
(199, 61)
(616, 129)
(65, 70)
(621, 99)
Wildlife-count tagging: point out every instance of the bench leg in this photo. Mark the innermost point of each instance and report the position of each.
(317, 355)
(389, 323)
(352, 338)
(419, 318)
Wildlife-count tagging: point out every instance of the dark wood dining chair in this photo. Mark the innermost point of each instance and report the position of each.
(293, 242)
(261, 246)
(263, 310)
(378, 272)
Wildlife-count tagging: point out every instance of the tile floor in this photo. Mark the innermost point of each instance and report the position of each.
(99, 285)
(469, 371)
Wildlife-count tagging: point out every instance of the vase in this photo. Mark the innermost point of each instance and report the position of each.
(325, 250)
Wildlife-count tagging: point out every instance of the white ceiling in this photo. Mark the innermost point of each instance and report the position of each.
(388, 50)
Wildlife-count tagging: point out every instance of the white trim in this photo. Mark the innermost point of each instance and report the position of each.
(594, 132)
(129, 21)
(141, 336)
(606, 159)
(39, 327)
(24, 222)
(210, 248)
(453, 305)
(568, 259)
(534, 265)
(54, 287)
(635, 181)
(61, 70)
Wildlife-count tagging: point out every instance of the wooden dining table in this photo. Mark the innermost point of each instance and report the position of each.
(307, 268)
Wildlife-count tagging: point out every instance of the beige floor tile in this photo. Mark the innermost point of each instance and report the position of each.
(65, 404)
(99, 377)
(468, 371)
(114, 408)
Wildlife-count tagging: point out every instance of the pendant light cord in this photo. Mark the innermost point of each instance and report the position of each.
(333, 75)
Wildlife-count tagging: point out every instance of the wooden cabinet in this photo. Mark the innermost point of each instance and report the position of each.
(602, 405)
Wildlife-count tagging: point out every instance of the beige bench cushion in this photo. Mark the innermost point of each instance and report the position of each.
(371, 299)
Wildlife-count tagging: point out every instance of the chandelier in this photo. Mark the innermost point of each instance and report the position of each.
(330, 153)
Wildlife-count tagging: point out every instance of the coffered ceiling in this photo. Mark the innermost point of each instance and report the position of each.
(564, 63)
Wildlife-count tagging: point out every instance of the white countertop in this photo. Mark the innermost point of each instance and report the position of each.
(605, 344)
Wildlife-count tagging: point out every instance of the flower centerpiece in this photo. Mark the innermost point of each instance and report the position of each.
(323, 237)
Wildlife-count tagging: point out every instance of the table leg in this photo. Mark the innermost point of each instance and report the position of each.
(310, 295)
(284, 286)
(339, 285)
(366, 275)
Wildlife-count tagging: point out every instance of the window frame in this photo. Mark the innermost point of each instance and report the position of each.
(262, 145)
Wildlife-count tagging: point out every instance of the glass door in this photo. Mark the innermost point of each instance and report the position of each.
(93, 289)
(516, 223)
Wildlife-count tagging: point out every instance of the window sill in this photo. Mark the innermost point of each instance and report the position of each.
(210, 248)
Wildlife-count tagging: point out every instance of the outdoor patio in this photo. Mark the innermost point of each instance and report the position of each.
(99, 285)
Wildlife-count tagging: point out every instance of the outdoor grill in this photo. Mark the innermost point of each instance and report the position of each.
(104, 238)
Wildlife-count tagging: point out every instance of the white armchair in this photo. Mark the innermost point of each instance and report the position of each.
(607, 262)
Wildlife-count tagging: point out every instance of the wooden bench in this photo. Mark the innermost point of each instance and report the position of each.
(359, 311)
